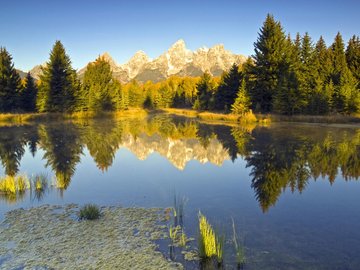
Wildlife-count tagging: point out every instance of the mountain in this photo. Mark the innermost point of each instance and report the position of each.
(177, 60)
(21, 73)
(36, 71)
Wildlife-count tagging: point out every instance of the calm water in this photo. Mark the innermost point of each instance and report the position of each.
(292, 189)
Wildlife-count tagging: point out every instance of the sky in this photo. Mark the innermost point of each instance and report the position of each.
(28, 29)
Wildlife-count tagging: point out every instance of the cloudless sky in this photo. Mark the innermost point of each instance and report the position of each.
(28, 29)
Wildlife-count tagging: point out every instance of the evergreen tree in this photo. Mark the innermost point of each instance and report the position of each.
(98, 87)
(28, 94)
(58, 83)
(135, 94)
(338, 59)
(10, 83)
(117, 95)
(242, 102)
(289, 97)
(353, 57)
(307, 74)
(228, 88)
(205, 90)
(323, 60)
(270, 51)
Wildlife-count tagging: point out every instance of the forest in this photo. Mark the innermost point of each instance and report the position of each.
(285, 75)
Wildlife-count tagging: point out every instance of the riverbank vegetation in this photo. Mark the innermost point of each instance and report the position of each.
(286, 76)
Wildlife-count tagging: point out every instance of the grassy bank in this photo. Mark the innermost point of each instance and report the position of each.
(329, 119)
(210, 116)
(26, 118)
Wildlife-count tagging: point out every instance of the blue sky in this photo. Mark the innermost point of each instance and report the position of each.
(28, 29)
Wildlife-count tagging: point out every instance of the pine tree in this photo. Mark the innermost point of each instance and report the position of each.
(10, 83)
(205, 90)
(353, 57)
(228, 88)
(338, 58)
(270, 51)
(136, 95)
(28, 94)
(323, 60)
(242, 102)
(59, 83)
(98, 86)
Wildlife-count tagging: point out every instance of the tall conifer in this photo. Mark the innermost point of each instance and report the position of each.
(58, 83)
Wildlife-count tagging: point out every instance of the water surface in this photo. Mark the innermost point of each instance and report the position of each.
(292, 189)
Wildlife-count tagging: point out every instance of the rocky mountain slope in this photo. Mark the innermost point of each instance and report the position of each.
(177, 60)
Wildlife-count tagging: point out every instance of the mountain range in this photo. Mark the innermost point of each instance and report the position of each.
(177, 60)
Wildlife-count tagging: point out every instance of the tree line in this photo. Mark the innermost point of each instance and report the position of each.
(285, 75)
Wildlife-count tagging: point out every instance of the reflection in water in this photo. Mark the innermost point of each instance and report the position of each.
(279, 157)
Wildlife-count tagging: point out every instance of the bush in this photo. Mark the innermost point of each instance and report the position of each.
(89, 212)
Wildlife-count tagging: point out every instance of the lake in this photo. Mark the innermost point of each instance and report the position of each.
(291, 189)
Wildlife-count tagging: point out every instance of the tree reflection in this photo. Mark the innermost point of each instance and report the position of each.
(63, 148)
(288, 160)
(12, 144)
(280, 156)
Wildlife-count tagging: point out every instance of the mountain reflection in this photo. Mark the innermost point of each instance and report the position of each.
(279, 156)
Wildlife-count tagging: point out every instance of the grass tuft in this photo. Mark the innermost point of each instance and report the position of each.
(14, 184)
(207, 241)
(89, 212)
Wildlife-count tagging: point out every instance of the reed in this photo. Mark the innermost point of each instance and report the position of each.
(209, 245)
(178, 210)
(173, 233)
(14, 184)
(239, 249)
(183, 239)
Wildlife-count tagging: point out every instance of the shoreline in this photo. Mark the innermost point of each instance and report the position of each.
(9, 119)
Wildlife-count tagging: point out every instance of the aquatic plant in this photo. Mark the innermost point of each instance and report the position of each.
(183, 239)
(89, 212)
(40, 181)
(239, 249)
(14, 184)
(173, 232)
(207, 239)
(178, 210)
(39, 185)
(220, 241)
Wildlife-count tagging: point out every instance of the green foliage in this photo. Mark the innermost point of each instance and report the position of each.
(228, 88)
(205, 92)
(353, 56)
(89, 212)
(58, 83)
(242, 102)
(100, 92)
(28, 94)
(271, 49)
(284, 76)
(10, 84)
